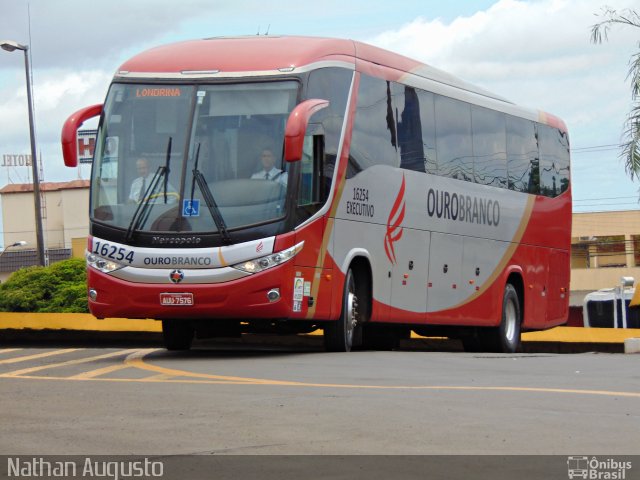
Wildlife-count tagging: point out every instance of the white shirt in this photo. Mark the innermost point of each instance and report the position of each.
(273, 174)
(135, 193)
(136, 187)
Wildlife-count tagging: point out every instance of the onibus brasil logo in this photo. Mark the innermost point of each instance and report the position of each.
(593, 468)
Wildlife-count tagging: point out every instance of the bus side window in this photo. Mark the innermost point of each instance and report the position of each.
(313, 180)
(523, 159)
(554, 161)
(489, 147)
(453, 138)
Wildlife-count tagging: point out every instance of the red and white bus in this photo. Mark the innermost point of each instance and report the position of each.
(405, 198)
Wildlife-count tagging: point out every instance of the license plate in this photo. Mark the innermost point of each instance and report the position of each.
(176, 299)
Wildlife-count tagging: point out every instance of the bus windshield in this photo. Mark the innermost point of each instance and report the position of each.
(202, 158)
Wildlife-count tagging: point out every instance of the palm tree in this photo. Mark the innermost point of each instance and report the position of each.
(631, 146)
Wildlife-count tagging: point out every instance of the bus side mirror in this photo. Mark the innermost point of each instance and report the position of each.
(297, 126)
(70, 129)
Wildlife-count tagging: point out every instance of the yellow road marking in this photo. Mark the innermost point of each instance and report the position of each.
(150, 379)
(25, 358)
(17, 373)
(97, 372)
(7, 350)
(136, 359)
(157, 379)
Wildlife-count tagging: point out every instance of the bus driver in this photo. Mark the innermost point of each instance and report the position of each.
(269, 171)
(140, 185)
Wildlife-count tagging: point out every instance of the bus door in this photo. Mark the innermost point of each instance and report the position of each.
(312, 296)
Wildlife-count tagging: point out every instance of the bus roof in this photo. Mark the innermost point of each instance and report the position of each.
(275, 53)
(218, 57)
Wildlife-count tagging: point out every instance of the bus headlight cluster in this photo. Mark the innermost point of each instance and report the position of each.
(99, 263)
(264, 263)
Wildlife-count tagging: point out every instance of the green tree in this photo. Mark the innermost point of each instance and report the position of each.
(59, 288)
(599, 32)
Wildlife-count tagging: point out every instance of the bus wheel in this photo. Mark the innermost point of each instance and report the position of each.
(338, 335)
(177, 334)
(506, 338)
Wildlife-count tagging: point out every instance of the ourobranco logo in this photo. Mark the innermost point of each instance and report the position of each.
(394, 230)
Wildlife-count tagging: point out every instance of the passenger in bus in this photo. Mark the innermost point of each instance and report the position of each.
(140, 185)
(269, 170)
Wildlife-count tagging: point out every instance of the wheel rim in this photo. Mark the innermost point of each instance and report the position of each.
(510, 321)
(352, 312)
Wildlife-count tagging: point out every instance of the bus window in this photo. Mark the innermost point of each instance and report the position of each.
(407, 104)
(554, 161)
(307, 189)
(453, 138)
(522, 156)
(374, 133)
(331, 84)
(428, 121)
(489, 147)
(313, 188)
(140, 121)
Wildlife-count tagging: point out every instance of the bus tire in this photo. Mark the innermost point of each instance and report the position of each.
(177, 334)
(506, 337)
(339, 335)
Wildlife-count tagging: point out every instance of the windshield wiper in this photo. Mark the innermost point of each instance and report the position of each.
(209, 200)
(141, 215)
(167, 170)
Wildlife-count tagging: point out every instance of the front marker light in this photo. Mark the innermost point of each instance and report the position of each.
(263, 263)
(99, 263)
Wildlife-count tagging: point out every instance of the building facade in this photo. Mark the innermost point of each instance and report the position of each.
(605, 247)
(64, 218)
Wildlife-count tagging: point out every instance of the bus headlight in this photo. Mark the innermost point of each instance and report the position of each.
(99, 263)
(264, 263)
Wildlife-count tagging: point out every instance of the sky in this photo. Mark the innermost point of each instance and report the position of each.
(536, 53)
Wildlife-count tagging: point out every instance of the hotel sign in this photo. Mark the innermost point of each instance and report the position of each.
(11, 160)
(86, 145)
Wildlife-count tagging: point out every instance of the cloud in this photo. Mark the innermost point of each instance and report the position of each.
(80, 34)
(537, 54)
(56, 95)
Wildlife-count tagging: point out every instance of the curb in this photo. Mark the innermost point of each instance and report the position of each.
(74, 321)
(79, 327)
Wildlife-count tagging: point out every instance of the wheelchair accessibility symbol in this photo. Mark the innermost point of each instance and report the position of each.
(191, 208)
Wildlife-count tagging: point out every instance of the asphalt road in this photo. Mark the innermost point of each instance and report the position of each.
(298, 400)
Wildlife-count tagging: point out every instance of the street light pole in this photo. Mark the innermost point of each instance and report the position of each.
(19, 243)
(11, 46)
